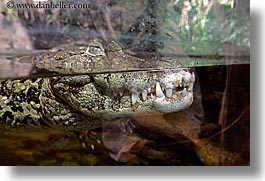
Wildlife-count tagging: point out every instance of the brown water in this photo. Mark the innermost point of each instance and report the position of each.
(221, 105)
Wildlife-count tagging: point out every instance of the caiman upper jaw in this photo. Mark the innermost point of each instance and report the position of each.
(166, 89)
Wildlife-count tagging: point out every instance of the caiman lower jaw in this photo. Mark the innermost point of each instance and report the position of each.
(172, 93)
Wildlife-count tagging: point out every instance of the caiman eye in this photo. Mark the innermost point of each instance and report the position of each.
(94, 49)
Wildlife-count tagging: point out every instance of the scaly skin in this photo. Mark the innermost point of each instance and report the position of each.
(79, 101)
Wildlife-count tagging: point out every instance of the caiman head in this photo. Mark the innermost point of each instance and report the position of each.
(169, 88)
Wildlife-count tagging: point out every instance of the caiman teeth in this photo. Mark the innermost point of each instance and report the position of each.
(120, 93)
(159, 92)
(184, 92)
(169, 92)
(144, 95)
(193, 77)
(134, 98)
(164, 90)
(149, 90)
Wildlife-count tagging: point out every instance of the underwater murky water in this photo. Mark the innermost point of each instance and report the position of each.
(220, 110)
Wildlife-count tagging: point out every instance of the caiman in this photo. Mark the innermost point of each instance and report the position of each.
(77, 102)
(95, 82)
